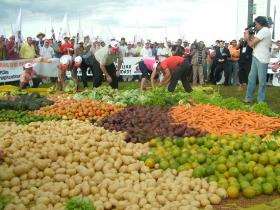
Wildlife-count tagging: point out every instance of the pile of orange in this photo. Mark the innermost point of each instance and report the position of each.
(81, 110)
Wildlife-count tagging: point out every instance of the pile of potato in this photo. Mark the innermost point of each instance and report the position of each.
(46, 163)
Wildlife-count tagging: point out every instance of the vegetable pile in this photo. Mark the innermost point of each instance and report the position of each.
(25, 102)
(82, 110)
(242, 165)
(221, 121)
(50, 162)
(23, 117)
(144, 123)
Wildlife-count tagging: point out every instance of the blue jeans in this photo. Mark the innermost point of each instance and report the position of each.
(258, 70)
(233, 72)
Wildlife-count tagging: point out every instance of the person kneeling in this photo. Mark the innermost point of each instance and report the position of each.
(174, 68)
(27, 78)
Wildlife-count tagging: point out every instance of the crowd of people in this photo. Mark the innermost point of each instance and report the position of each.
(227, 63)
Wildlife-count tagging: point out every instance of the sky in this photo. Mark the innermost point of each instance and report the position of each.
(149, 19)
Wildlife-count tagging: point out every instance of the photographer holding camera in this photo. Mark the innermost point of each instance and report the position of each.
(261, 44)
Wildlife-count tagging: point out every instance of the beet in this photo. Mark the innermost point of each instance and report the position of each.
(144, 123)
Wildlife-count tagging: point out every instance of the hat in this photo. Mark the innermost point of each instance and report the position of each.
(28, 65)
(41, 34)
(65, 59)
(66, 36)
(81, 41)
(114, 44)
(78, 59)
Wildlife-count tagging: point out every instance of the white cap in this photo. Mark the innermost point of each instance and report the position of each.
(114, 44)
(78, 59)
(28, 65)
(65, 59)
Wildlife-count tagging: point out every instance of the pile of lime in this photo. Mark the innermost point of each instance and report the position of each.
(242, 165)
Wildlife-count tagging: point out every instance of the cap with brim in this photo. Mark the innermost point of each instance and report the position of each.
(28, 65)
(65, 59)
(41, 34)
(68, 37)
(78, 59)
(114, 44)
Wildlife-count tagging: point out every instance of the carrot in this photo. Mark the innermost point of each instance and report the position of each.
(221, 121)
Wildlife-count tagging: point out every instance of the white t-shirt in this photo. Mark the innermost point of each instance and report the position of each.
(46, 52)
(262, 49)
(123, 49)
(146, 53)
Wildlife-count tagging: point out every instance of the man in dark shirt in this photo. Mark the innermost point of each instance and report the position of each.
(221, 59)
(245, 61)
(178, 49)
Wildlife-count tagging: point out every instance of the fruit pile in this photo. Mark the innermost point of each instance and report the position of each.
(242, 165)
(82, 110)
(144, 123)
(221, 121)
(50, 162)
(25, 102)
(23, 117)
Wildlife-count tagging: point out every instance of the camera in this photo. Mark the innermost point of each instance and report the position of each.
(252, 29)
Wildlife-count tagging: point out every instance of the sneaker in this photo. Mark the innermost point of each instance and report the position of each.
(247, 101)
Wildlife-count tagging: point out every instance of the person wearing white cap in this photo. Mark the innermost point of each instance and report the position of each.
(104, 60)
(146, 66)
(65, 63)
(26, 78)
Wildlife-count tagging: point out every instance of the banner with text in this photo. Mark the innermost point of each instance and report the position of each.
(11, 70)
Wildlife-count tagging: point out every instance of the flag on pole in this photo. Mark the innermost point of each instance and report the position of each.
(65, 29)
(2, 32)
(80, 35)
(17, 30)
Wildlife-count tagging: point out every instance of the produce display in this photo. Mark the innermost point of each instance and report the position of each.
(23, 117)
(48, 163)
(106, 149)
(82, 110)
(221, 121)
(144, 123)
(241, 165)
(24, 102)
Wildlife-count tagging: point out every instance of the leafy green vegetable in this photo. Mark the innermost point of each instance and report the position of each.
(264, 109)
(4, 201)
(23, 117)
(71, 87)
(79, 203)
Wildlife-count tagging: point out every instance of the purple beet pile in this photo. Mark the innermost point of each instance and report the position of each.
(144, 123)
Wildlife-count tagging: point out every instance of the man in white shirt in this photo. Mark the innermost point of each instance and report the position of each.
(46, 51)
(162, 52)
(146, 52)
(123, 47)
(261, 44)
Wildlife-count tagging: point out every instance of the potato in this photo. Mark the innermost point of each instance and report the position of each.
(21, 169)
(49, 172)
(85, 188)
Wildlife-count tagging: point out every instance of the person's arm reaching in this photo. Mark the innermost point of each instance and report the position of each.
(153, 77)
(166, 78)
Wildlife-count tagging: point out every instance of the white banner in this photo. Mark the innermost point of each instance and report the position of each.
(11, 70)
(130, 66)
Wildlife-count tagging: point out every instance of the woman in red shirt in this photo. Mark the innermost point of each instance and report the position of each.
(174, 68)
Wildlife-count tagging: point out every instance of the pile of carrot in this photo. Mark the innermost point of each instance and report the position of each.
(81, 110)
(221, 121)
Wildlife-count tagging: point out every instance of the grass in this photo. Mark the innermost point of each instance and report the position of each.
(272, 95)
